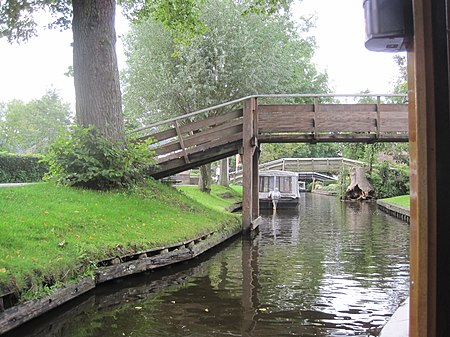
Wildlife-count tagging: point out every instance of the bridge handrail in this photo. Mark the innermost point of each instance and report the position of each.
(191, 114)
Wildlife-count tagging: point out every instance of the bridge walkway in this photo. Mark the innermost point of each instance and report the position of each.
(240, 126)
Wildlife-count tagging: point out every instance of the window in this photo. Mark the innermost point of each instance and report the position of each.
(284, 184)
(266, 184)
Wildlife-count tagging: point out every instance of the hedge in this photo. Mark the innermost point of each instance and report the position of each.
(21, 169)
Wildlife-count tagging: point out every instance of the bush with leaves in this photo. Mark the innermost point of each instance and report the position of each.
(21, 168)
(84, 158)
(390, 180)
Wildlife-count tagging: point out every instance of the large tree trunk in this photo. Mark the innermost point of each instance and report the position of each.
(205, 181)
(359, 187)
(97, 87)
(223, 178)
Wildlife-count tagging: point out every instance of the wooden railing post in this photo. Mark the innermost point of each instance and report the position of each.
(180, 139)
(378, 116)
(316, 110)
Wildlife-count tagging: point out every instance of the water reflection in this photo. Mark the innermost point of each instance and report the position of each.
(327, 269)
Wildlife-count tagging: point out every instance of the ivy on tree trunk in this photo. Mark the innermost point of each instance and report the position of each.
(97, 87)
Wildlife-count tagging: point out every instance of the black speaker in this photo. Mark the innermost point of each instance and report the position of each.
(388, 25)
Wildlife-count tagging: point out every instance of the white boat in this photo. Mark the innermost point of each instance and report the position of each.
(287, 184)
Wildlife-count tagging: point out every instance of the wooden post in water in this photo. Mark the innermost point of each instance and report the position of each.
(249, 166)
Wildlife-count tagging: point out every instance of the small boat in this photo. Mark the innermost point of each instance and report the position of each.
(285, 182)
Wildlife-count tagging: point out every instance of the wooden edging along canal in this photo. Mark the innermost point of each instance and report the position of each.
(110, 269)
(397, 211)
(398, 325)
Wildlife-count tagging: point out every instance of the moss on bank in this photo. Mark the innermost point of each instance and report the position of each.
(51, 235)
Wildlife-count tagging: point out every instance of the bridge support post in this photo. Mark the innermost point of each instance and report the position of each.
(250, 153)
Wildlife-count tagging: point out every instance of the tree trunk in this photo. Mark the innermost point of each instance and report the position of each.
(205, 181)
(223, 178)
(359, 187)
(96, 74)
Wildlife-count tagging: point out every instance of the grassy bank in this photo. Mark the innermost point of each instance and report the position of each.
(402, 200)
(220, 199)
(51, 235)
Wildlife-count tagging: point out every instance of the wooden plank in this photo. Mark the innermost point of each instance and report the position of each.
(20, 314)
(216, 143)
(394, 108)
(349, 108)
(137, 266)
(298, 126)
(213, 240)
(309, 138)
(212, 121)
(203, 147)
(214, 133)
(393, 114)
(394, 125)
(175, 166)
(168, 148)
(163, 135)
(346, 125)
(284, 108)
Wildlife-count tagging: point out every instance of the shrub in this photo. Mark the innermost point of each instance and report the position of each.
(390, 180)
(21, 169)
(84, 158)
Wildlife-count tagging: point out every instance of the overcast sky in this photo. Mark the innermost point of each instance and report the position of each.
(28, 70)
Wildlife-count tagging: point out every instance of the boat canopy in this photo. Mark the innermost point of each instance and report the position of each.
(285, 181)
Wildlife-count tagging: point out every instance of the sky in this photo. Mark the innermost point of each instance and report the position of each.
(28, 70)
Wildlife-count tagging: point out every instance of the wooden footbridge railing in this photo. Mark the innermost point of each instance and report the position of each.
(319, 165)
(241, 125)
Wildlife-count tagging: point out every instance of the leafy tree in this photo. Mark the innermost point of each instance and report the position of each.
(237, 56)
(96, 77)
(322, 150)
(32, 126)
(97, 90)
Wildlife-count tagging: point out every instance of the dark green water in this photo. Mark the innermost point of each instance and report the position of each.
(328, 269)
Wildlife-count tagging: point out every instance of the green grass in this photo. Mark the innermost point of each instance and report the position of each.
(220, 199)
(51, 234)
(402, 200)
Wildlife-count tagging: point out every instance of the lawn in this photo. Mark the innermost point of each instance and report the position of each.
(52, 234)
(402, 200)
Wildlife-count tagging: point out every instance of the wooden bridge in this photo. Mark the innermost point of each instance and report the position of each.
(241, 125)
(306, 165)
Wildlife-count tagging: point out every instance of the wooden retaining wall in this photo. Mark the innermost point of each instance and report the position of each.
(110, 269)
(397, 211)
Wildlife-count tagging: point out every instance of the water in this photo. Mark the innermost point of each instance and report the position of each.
(328, 269)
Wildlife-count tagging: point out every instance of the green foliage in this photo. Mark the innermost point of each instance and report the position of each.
(21, 169)
(266, 7)
(322, 150)
(236, 56)
(33, 126)
(17, 17)
(390, 179)
(221, 198)
(180, 17)
(84, 158)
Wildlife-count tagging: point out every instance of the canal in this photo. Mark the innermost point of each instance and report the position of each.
(327, 269)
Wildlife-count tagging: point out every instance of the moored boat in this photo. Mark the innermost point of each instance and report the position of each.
(284, 182)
